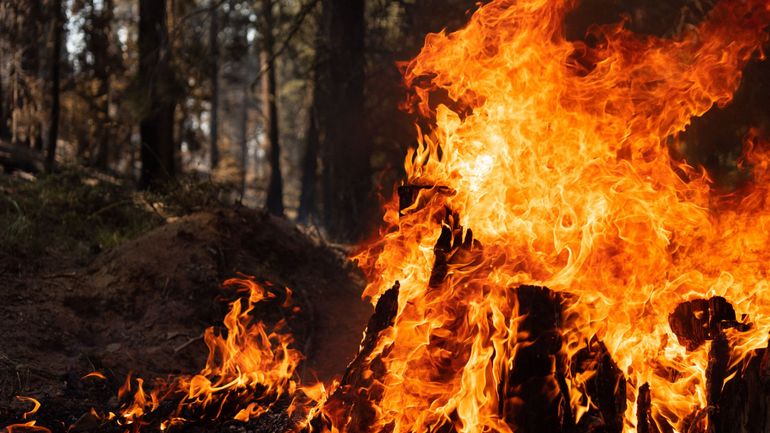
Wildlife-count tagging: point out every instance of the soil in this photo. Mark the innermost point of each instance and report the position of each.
(143, 306)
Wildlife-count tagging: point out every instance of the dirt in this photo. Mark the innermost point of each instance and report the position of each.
(144, 305)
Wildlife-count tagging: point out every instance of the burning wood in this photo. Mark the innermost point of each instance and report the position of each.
(559, 162)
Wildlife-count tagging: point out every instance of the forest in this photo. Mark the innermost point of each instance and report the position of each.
(355, 215)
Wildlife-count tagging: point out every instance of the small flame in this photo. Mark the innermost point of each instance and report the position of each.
(249, 369)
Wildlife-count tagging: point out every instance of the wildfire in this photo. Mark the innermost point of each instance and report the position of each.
(556, 154)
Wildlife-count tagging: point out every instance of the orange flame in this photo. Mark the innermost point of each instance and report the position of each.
(248, 369)
(29, 426)
(555, 153)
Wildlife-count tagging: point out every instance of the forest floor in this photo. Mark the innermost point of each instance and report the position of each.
(94, 277)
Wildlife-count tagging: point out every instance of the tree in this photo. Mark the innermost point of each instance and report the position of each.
(307, 198)
(340, 113)
(58, 35)
(155, 80)
(214, 119)
(274, 201)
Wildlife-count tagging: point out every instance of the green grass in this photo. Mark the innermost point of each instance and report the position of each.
(68, 213)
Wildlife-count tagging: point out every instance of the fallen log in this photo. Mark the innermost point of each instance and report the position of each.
(20, 158)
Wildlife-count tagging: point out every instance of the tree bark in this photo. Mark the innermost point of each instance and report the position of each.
(274, 201)
(5, 131)
(307, 198)
(103, 65)
(53, 131)
(155, 79)
(214, 120)
(340, 106)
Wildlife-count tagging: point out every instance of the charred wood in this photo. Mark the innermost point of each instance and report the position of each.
(697, 321)
(644, 410)
(352, 404)
(20, 158)
(745, 400)
(531, 384)
(606, 388)
(719, 358)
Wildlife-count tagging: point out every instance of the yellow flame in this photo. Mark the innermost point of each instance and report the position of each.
(556, 154)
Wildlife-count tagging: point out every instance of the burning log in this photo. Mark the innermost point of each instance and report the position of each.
(719, 358)
(351, 405)
(606, 388)
(744, 402)
(531, 395)
(697, 321)
(643, 410)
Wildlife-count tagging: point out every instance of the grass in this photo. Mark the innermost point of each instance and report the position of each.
(75, 214)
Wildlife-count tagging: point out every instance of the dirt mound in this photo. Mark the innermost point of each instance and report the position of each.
(144, 305)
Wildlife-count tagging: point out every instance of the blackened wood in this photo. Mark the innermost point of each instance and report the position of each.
(643, 410)
(606, 388)
(531, 393)
(16, 157)
(454, 248)
(53, 131)
(351, 406)
(697, 321)
(719, 357)
(745, 400)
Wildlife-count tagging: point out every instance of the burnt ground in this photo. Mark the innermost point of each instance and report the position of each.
(143, 305)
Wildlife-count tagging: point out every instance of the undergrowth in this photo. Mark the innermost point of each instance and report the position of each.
(74, 214)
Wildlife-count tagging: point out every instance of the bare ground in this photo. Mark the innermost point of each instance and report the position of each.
(143, 306)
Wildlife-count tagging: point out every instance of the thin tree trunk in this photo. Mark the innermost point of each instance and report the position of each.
(5, 131)
(274, 201)
(245, 133)
(53, 131)
(307, 198)
(214, 119)
(157, 124)
(100, 46)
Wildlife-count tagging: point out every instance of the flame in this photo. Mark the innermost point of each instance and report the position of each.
(29, 426)
(94, 375)
(556, 154)
(249, 369)
(35, 406)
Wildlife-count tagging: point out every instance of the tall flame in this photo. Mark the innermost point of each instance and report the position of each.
(556, 154)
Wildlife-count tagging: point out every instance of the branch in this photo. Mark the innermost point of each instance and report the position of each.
(300, 18)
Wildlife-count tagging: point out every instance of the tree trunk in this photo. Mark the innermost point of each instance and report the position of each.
(53, 131)
(5, 130)
(245, 134)
(340, 107)
(155, 79)
(214, 119)
(100, 40)
(307, 198)
(274, 201)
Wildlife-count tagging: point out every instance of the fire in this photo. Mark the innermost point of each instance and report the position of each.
(556, 155)
(249, 369)
(29, 426)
